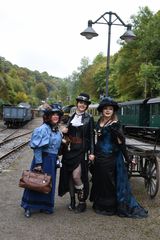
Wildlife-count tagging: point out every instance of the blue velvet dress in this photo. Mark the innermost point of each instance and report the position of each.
(111, 190)
(45, 143)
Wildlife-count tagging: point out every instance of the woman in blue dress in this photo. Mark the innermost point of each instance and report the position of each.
(45, 142)
(111, 190)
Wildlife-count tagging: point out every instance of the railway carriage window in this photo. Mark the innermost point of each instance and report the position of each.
(156, 106)
(136, 110)
(127, 110)
(158, 109)
(153, 109)
(132, 110)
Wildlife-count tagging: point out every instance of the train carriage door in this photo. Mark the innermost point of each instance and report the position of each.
(154, 115)
(144, 114)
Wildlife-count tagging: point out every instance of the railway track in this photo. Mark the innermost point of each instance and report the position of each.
(12, 141)
(8, 138)
(14, 149)
(3, 129)
(10, 144)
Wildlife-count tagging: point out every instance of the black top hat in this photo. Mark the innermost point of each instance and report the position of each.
(84, 97)
(107, 101)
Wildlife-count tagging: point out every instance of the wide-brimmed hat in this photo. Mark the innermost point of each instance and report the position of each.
(53, 108)
(84, 97)
(107, 101)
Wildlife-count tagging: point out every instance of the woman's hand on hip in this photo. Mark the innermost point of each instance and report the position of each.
(91, 157)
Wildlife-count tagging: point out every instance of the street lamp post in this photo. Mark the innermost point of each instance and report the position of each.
(89, 33)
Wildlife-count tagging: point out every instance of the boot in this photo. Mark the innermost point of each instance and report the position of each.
(81, 207)
(72, 205)
(27, 213)
(81, 195)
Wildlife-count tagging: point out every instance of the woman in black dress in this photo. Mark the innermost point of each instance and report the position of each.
(111, 190)
(74, 171)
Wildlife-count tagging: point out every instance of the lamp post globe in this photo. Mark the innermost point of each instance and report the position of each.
(128, 35)
(89, 32)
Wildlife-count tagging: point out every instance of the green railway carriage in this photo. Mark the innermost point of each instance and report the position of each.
(154, 114)
(141, 116)
(140, 113)
(134, 113)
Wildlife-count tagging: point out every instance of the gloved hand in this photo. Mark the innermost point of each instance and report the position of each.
(38, 168)
(58, 163)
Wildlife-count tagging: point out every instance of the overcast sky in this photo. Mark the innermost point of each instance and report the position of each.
(44, 35)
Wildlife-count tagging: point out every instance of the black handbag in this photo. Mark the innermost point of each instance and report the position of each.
(36, 181)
